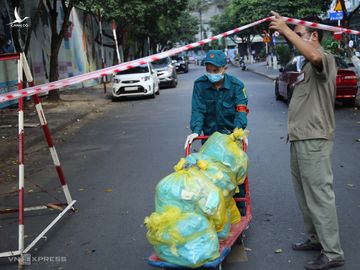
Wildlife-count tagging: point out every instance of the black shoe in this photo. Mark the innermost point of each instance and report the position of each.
(307, 245)
(322, 262)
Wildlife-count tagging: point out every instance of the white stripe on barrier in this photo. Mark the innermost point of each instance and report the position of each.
(123, 66)
(21, 121)
(21, 237)
(40, 113)
(67, 193)
(21, 176)
(54, 156)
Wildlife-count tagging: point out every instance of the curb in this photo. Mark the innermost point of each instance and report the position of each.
(30, 141)
(262, 74)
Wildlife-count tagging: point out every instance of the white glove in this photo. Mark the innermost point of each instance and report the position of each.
(246, 141)
(190, 139)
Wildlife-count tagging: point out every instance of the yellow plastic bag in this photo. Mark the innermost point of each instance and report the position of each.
(191, 191)
(228, 149)
(234, 212)
(185, 239)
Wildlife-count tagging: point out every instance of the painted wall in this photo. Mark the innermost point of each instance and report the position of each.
(79, 52)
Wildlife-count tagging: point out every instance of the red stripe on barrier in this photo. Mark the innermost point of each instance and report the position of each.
(36, 99)
(61, 175)
(314, 25)
(117, 70)
(103, 74)
(21, 147)
(47, 132)
(142, 62)
(21, 206)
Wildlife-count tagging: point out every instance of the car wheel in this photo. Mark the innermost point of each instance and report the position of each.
(186, 70)
(289, 95)
(277, 93)
(158, 91)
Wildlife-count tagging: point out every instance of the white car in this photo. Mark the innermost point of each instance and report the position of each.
(138, 81)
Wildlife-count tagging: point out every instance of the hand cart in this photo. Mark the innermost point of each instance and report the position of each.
(235, 236)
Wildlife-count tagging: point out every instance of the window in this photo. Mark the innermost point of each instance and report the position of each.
(139, 69)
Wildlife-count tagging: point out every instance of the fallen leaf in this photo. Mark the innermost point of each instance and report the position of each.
(350, 185)
(88, 251)
(358, 140)
(278, 251)
(248, 249)
(108, 190)
(81, 189)
(30, 190)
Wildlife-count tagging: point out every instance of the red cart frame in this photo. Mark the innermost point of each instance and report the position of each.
(236, 231)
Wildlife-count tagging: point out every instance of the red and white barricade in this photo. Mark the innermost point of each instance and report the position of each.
(23, 67)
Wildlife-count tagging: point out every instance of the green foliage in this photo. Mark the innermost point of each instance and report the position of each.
(283, 51)
(262, 54)
(164, 21)
(331, 45)
(242, 12)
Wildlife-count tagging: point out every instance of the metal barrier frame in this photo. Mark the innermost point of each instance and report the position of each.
(23, 67)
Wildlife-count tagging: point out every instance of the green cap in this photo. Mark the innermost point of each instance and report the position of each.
(216, 57)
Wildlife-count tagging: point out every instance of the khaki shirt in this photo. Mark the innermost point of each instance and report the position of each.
(311, 109)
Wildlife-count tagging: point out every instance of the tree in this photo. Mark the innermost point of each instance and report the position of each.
(200, 6)
(163, 22)
(242, 12)
(57, 37)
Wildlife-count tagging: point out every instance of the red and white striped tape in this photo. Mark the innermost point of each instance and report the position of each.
(321, 26)
(127, 65)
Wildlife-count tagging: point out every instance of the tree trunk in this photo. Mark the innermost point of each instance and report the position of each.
(54, 95)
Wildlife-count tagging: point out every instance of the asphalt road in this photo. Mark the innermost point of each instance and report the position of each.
(113, 163)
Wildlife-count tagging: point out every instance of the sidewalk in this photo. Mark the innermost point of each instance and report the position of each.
(261, 69)
(74, 105)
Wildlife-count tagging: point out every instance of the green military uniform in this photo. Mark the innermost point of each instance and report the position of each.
(311, 125)
(217, 109)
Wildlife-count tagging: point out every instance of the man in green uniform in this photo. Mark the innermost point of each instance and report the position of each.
(311, 125)
(219, 103)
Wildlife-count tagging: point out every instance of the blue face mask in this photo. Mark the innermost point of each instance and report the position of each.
(214, 78)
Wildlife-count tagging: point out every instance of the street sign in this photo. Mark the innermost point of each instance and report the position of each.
(266, 39)
(335, 16)
(338, 6)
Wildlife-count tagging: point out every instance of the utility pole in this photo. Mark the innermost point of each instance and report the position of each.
(116, 42)
(102, 48)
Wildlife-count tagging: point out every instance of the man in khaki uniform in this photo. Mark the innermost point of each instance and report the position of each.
(311, 125)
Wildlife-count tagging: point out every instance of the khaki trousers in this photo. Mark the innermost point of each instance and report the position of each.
(313, 183)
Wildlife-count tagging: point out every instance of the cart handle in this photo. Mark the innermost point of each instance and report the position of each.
(188, 147)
